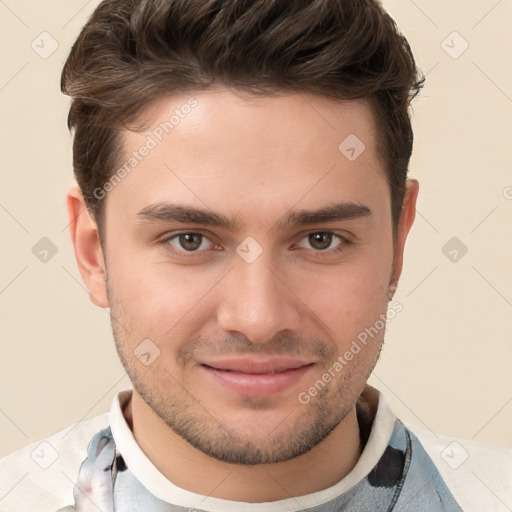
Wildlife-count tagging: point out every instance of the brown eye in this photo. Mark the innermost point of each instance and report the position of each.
(320, 241)
(324, 243)
(188, 242)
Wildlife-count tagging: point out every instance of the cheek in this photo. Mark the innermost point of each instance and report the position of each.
(350, 297)
(168, 301)
(160, 299)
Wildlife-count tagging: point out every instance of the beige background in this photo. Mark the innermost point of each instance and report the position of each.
(447, 360)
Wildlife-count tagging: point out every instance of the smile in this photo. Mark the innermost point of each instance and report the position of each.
(256, 378)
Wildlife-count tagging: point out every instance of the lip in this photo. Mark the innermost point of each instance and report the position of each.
(257, 377)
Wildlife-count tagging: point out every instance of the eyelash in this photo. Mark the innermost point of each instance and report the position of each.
(193, 254)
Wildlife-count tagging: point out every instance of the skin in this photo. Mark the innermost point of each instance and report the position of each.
(258, 159)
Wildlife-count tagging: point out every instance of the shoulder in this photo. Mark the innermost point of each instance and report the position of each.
(478, 474)
(40, 476)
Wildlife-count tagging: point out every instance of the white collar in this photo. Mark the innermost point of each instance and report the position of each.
(156, 483)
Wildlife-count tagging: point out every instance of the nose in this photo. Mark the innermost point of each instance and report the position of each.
(258, 301)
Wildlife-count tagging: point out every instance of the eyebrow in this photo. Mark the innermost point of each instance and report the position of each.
(170, 212)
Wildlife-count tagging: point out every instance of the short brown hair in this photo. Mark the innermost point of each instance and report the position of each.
(132, 52)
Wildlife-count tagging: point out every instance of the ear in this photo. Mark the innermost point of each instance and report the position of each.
(88, 252)
(407, 215)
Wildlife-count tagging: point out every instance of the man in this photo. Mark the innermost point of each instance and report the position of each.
(242, 208)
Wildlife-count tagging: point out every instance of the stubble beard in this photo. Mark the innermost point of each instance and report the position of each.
(196, 422)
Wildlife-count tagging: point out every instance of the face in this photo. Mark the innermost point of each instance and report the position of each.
(246, 250)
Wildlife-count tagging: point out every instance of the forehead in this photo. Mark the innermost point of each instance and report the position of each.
(232, 118)
(208, 146)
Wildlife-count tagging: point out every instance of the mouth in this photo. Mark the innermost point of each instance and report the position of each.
(257, 378)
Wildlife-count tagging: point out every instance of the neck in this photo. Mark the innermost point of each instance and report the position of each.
(192, 470)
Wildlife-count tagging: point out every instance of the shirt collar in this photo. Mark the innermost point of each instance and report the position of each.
(371, 400)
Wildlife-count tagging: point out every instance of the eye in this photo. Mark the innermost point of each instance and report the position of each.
(322, 240)
(189, 242)
(194, 244)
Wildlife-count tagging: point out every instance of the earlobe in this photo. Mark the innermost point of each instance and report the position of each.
(407, 216)
(88, 251)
